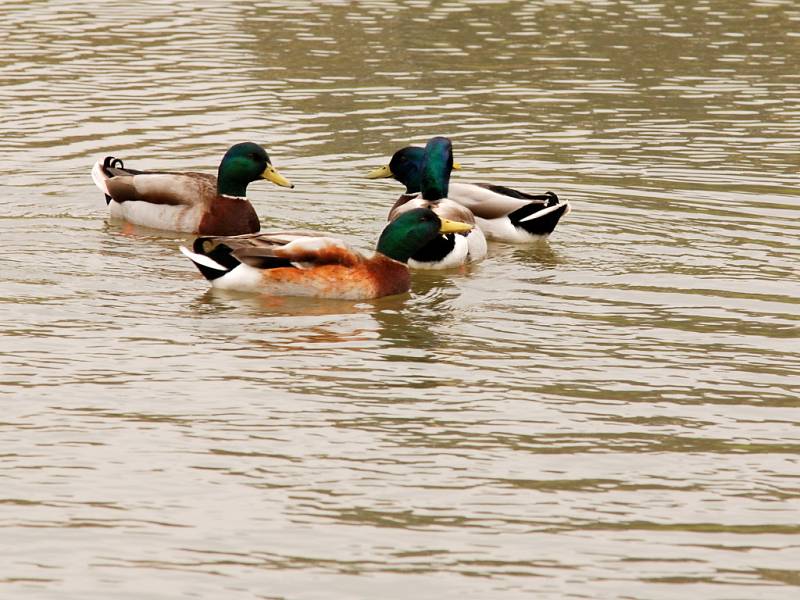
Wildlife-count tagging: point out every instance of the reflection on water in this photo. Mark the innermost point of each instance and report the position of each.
(611, 412)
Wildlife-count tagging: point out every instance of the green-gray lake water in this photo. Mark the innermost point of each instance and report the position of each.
(612, 413)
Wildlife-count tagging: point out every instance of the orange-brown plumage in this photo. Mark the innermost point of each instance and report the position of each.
(332, 254)
(371, 277)
(296, 264)
(389, 276)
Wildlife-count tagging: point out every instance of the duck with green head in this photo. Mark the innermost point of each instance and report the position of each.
(502, 213)
(405, 166)
(294, 264)
(187, 201)
(430, 171)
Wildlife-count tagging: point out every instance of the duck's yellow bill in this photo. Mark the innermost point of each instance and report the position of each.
(380, 173)
(456, 166)
(454, 227)
(271, 174)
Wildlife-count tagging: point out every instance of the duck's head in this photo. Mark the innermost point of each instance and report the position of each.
(244, 163)
(412, 230)
(436, 167)
(405, 167)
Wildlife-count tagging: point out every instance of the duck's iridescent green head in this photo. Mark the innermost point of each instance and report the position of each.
(412, 230)
(405, 167)
(436, 167)
(242, 164)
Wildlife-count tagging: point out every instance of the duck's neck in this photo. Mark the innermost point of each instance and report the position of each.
(229, 184)
(412, 182)
(435, 176)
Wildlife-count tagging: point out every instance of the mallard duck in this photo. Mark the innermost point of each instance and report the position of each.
(189, 202)
(502, 213)
(294, 264)
(434, 179)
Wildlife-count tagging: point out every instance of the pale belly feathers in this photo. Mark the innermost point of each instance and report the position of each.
(158, 216)
(504, 230)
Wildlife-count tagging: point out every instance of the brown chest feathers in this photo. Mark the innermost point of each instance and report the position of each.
(229, 216)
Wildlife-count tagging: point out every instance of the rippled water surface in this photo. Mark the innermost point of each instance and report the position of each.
(612, 413)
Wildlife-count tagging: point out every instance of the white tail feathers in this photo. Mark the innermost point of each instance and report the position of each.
(200, 259)
(547, 211)
(99, 177)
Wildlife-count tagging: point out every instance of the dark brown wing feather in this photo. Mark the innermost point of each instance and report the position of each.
(163, 188)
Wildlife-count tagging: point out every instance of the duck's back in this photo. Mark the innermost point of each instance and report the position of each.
(174, 189)
(445, 208)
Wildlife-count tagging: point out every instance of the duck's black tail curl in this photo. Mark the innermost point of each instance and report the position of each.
(110, 162)
(113, 166)
(540, 219)
(550, 199)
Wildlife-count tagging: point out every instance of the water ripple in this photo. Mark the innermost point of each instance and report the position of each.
(608, 413)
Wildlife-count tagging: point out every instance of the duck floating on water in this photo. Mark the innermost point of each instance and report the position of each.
(296, 264)
(433, 178)
(502, 213)
(186, 201)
